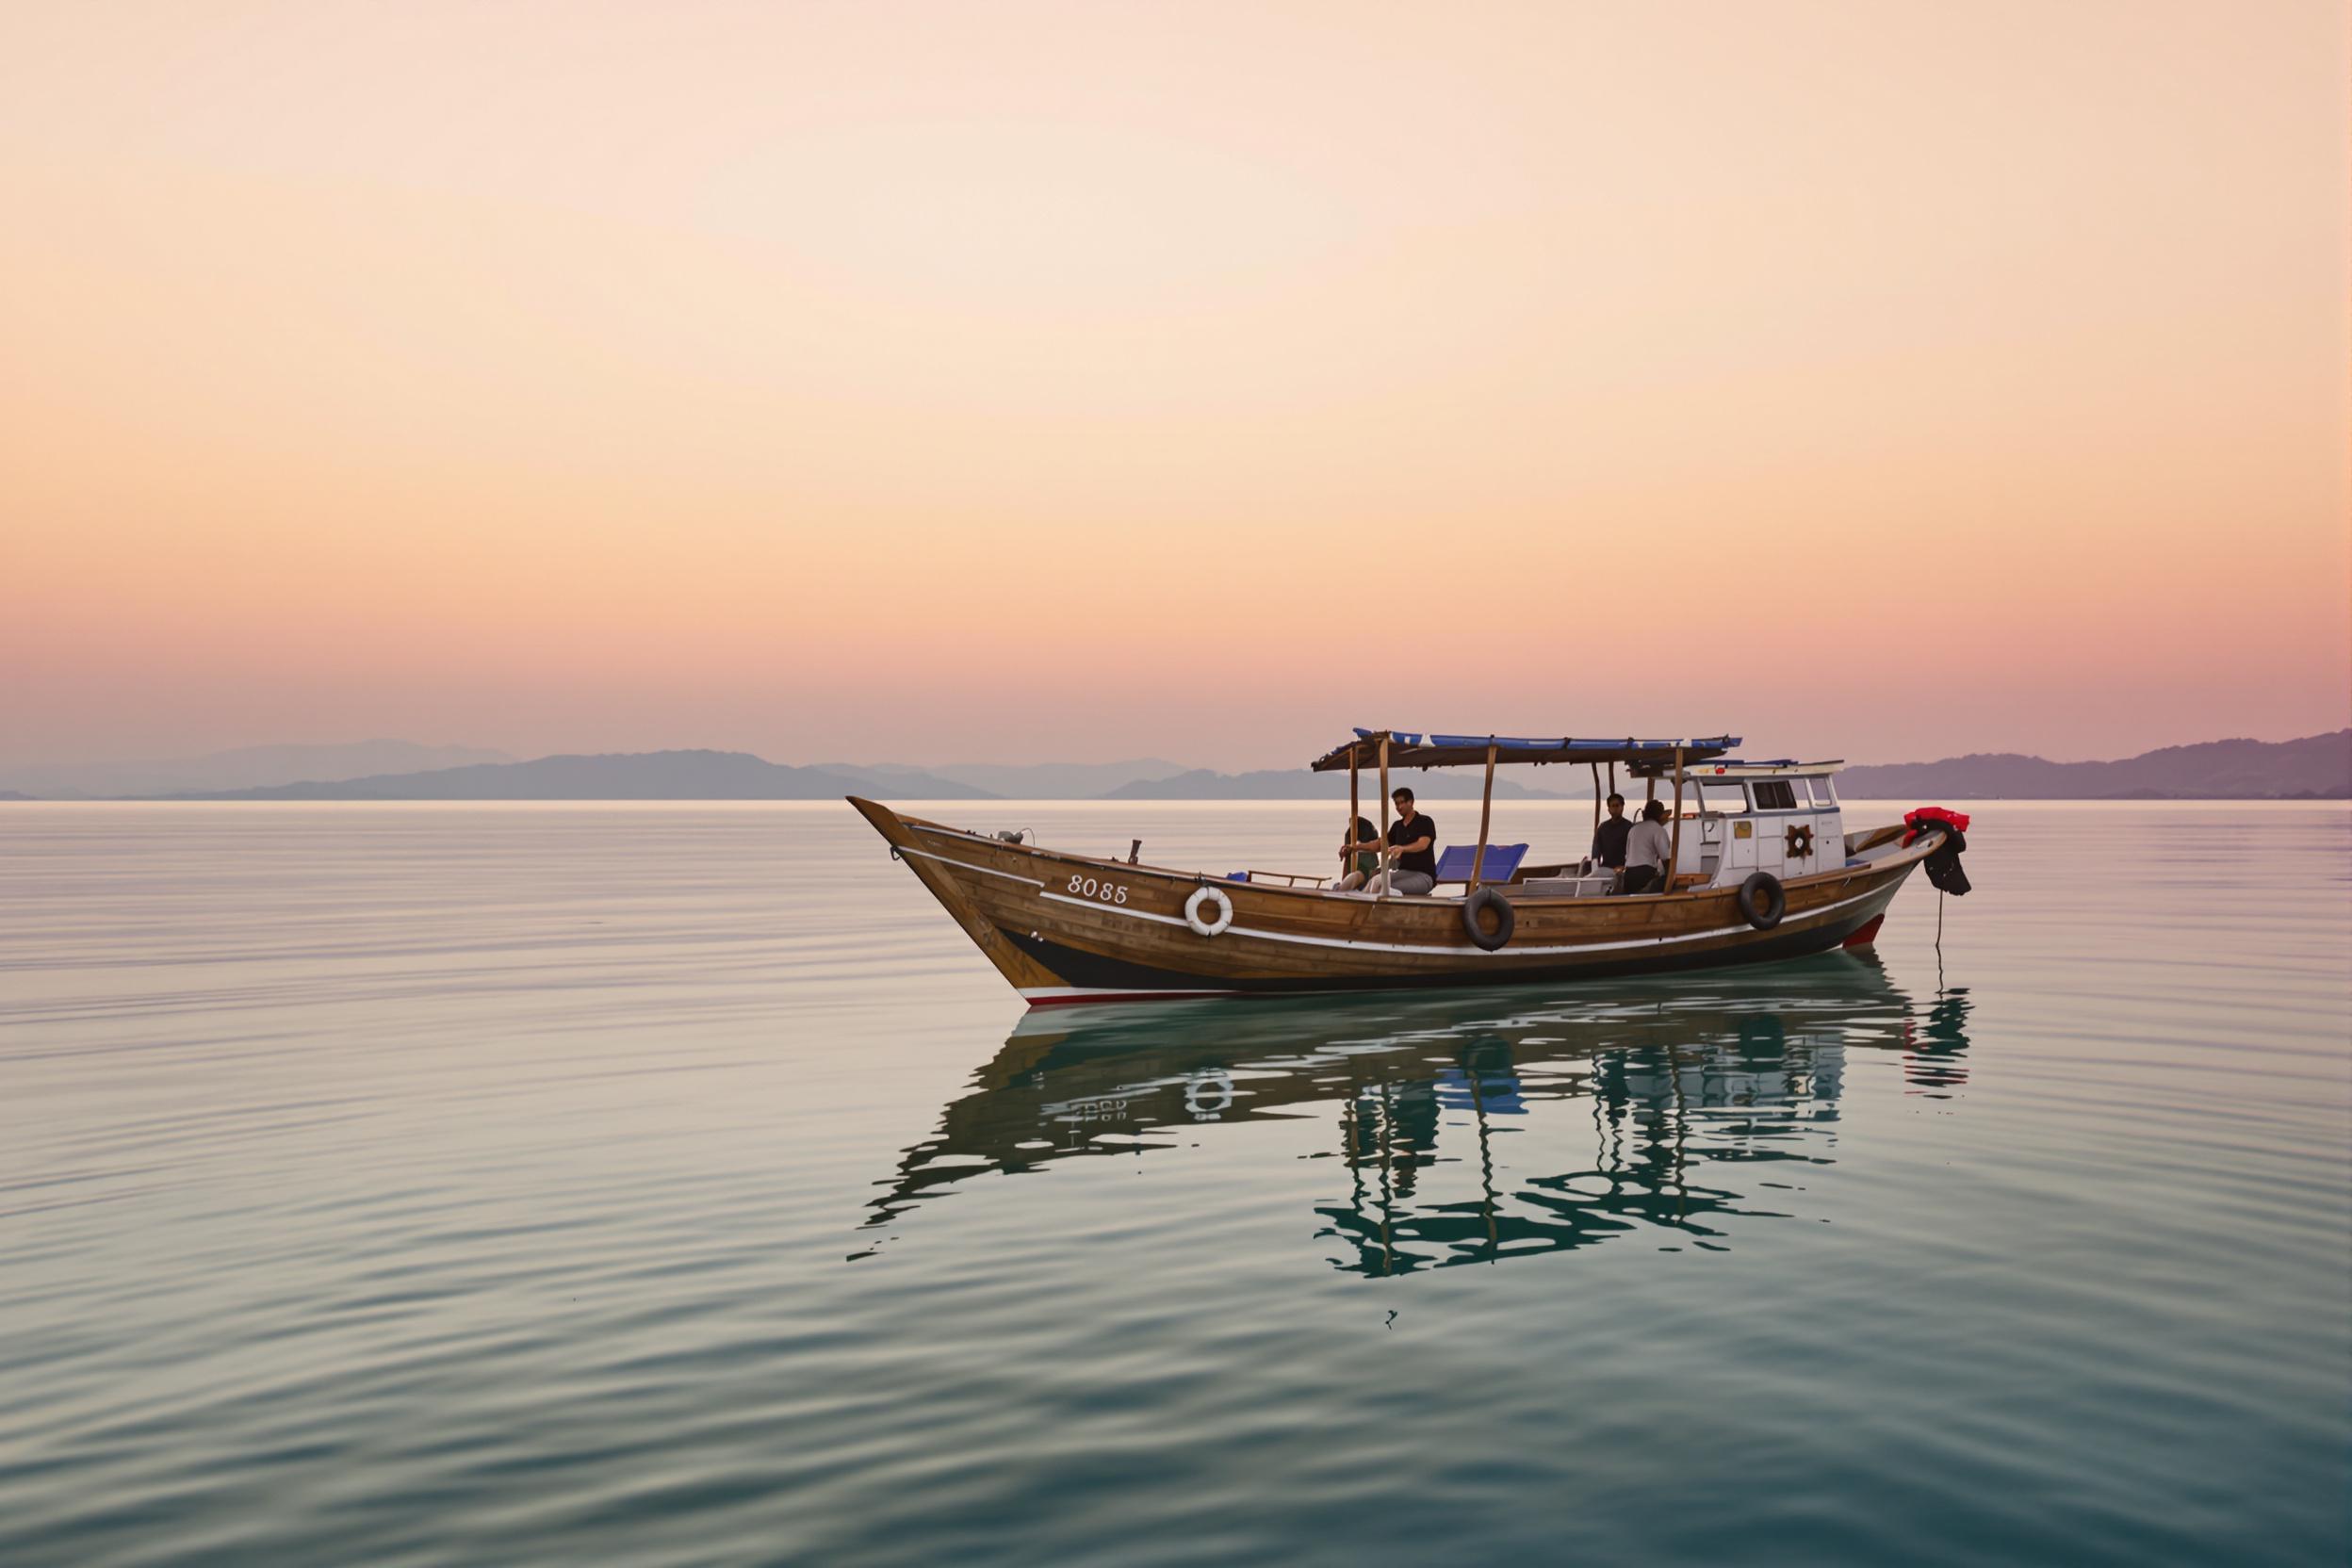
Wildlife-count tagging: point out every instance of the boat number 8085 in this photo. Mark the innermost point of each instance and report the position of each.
(1107, 892)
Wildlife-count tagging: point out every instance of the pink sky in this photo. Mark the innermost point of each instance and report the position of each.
(1077, 382)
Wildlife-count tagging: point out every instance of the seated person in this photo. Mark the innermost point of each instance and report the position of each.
(1412, 851)
(1609, 838)
(1647, 850)
(1360, 853)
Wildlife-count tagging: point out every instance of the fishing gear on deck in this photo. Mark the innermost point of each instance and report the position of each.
(1943, 866)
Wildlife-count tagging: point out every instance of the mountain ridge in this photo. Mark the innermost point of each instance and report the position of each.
(1030, 780)
(689, 775)
(2311, 767)
(239, 767)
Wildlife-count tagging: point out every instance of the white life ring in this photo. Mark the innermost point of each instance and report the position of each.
(1207, 894)
(1209, 1096)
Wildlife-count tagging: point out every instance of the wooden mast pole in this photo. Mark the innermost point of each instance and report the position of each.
(1673, 850)
(1486, 814)
(1384, 862)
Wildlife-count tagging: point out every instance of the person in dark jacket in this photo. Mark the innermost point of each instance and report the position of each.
(1361, 862)
(1609, 838)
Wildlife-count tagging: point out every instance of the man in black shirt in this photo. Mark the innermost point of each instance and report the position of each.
(1412, 851)
(1609, 838)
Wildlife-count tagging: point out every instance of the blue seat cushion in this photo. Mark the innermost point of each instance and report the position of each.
(1502, 861)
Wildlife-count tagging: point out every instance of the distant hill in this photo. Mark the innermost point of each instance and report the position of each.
(636, 775)
(1299, 784)
(1030, 781)
(247, 767)
(2316, 767)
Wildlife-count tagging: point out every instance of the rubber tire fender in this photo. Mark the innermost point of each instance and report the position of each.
(1763, 900)
(1205, 894)
(1506, 918)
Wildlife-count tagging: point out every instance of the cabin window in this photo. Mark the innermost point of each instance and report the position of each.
(1774, 794)
(1724, 796)
(1823, 795)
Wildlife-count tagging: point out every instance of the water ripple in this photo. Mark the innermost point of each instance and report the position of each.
(672, 1184)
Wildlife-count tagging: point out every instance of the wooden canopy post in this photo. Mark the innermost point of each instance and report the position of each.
(1486, 814)
(1383, 862)
(1597, 793)
(1673, 850)
(1355, 814)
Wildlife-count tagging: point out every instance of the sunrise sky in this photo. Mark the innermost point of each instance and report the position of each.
(1010, 380)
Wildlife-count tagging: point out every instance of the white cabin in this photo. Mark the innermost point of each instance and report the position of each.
(1780, 817)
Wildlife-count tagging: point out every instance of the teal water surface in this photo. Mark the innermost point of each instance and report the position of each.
(675, 1184)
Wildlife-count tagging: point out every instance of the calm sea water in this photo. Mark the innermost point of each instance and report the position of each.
(674, 1185)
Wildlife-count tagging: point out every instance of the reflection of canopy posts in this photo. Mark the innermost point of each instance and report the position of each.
(1651, 1167)
(1687, 1087)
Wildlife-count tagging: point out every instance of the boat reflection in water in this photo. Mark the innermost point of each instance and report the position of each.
(1665, 1107)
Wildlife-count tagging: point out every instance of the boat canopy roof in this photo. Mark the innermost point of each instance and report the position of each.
(1743, 767)
(1414, 749)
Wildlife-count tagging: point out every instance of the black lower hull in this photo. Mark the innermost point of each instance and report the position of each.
(1094, 972)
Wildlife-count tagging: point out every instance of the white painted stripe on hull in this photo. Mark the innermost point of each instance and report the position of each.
(1459, 952)
(1349, 944)
(984, 871)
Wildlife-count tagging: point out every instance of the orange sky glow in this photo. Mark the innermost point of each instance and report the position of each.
(1020, 381)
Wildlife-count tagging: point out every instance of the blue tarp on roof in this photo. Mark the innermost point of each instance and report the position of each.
(1421, 749)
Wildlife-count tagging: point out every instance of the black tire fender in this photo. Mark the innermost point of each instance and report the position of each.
(1763, 900)
(1506, 918)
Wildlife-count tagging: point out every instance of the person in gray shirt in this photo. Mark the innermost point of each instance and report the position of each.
(1647, 850)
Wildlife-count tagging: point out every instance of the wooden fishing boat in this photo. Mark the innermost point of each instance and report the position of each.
(1762, 868)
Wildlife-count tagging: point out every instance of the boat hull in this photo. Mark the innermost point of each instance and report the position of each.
(1065, 928)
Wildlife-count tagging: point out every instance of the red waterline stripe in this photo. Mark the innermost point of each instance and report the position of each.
(1866, 935)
